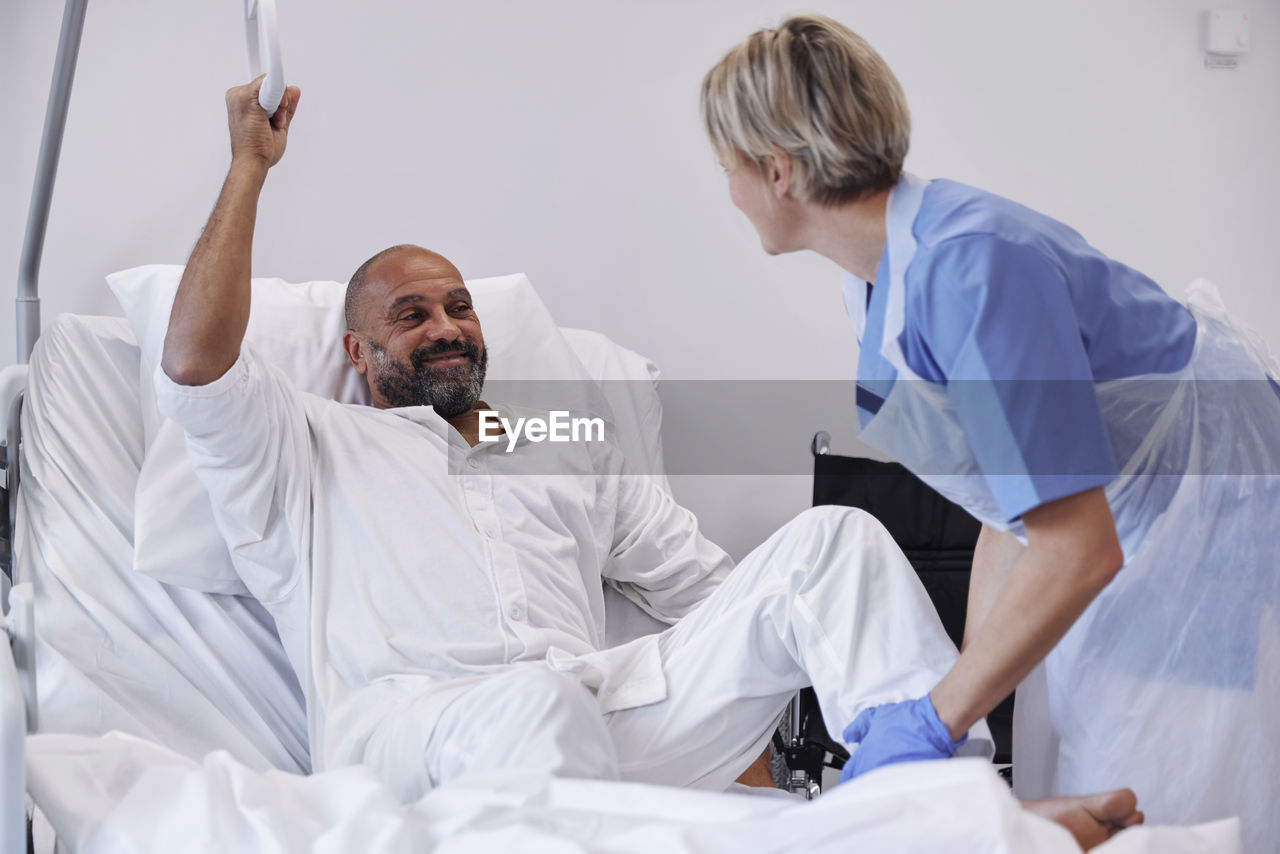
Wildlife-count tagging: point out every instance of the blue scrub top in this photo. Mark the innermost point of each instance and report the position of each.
(1018, 317)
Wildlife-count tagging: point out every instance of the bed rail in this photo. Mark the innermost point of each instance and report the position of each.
(13, 772)
(17, 627)
(13, 381)
(17, 714)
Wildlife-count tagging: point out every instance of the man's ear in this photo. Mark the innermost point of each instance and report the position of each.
(355, 351)
(777, 171)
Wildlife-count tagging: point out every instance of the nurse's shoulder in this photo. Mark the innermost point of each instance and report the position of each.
(982, 265)
(954, 211)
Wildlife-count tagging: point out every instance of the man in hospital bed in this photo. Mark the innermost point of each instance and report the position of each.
(440, 597)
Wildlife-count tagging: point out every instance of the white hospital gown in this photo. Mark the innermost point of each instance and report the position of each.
(393, 581)
(446, 624)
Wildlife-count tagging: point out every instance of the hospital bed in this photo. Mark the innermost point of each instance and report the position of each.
(118, 649)
(168, 711)
(141, 714)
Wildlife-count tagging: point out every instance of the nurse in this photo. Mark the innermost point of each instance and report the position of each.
(1129, 496)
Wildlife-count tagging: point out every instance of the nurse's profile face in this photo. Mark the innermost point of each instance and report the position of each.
(753, 193)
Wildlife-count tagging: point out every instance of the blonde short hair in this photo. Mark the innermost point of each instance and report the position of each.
(814, 90)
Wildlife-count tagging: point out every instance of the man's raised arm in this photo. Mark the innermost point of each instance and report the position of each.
(211, 309)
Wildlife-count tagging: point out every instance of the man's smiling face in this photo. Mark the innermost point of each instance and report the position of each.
(418, 340)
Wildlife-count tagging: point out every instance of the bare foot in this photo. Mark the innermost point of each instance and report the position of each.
(1092, 819)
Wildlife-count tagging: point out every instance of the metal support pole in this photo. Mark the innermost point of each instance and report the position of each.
(27, 309)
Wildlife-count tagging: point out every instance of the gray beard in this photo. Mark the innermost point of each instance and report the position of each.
(451, 391)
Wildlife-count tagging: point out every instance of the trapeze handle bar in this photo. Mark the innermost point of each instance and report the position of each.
(263, 40)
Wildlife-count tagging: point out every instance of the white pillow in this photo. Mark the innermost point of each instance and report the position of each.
(298, 328)
(629, 382)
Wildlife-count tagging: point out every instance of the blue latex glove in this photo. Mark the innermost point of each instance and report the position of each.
(897, 732)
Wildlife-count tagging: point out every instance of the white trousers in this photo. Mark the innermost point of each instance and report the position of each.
(828, 600)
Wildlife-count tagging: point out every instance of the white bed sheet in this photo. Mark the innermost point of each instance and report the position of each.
(119, 794)
(116, 650)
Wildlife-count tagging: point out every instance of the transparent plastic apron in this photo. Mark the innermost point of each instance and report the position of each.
(1169, 683)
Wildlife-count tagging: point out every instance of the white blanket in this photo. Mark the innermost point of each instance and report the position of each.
(117, 650)
(120, 794)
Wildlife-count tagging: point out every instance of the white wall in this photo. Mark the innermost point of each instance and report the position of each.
(561, 138)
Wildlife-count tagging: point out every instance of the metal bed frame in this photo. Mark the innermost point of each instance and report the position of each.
(18, 711)
(17, 660)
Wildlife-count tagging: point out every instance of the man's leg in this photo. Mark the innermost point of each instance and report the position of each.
(522, 719)
(828, 600)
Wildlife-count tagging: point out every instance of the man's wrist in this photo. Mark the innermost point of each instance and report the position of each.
(249, 167)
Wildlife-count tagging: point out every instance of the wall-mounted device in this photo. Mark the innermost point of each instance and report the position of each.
(1226, 38)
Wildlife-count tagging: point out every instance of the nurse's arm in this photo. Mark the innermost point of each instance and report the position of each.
(1072, 553)
(993, 560)
(211, 309)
